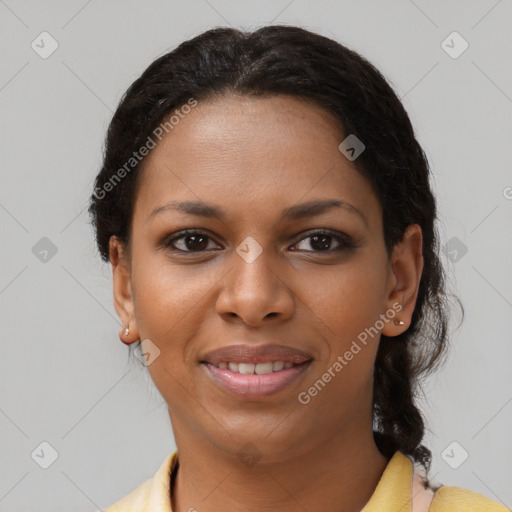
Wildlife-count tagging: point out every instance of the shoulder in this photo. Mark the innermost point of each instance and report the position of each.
(154, 494)
(456, 499)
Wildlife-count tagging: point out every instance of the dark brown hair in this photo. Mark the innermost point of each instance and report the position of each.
(286, 60)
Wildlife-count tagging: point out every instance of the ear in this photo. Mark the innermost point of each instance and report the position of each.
(123, 300)
(405, 274)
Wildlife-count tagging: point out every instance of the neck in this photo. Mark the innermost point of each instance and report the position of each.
(341, 473)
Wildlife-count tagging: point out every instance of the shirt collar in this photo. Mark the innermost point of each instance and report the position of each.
(158, 498)
(393, 492)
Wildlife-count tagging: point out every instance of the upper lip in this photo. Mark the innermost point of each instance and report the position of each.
(243, 353)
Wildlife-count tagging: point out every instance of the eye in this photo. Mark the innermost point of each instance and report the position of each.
(191, 241)
(321, 241)
(195, 241)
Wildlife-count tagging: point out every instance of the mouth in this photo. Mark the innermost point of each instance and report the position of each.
(253, 373)
(254, 368)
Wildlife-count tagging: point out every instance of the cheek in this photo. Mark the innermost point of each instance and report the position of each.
(166, 307)
(344, 377)
(173, 304)
(170, 306)
(354, 297)
(351, 304)
(169, 297)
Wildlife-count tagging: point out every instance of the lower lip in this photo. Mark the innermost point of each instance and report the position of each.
(253, 386)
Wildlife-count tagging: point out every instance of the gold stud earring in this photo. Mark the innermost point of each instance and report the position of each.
(399, 322)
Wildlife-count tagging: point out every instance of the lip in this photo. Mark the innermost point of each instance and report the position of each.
(254, 386)
(243, 353)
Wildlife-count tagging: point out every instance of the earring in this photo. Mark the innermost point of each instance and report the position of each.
(399, 322)
(126, 331)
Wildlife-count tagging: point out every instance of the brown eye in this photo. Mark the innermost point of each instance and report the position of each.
(190, 241)
(322, 241)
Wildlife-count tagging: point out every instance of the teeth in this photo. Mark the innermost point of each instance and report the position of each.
(255, 368)
(262, 368)
(278, 365)
(245, 368)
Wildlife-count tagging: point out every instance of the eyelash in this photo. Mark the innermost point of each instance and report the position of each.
(344, 240)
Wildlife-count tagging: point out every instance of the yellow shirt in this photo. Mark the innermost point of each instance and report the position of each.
(399, 489)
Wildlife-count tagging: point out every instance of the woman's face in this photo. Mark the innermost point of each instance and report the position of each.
(260, 274)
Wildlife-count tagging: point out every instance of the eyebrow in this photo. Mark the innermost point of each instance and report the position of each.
(295, 212)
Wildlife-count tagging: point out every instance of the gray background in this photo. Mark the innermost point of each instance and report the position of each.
(65, 376)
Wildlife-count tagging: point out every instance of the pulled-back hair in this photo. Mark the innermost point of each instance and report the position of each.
(286, 60)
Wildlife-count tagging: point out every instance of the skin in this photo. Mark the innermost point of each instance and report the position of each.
(253, 157)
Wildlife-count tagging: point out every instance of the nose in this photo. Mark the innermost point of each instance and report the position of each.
(254, 292)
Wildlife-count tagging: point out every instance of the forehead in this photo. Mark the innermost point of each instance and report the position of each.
(254, 152)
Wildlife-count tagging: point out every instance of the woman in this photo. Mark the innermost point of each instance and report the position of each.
(268, 216)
